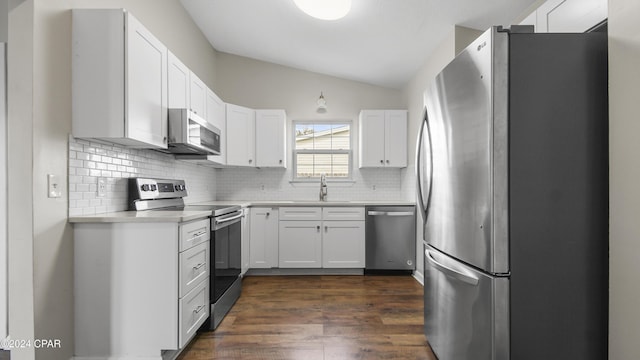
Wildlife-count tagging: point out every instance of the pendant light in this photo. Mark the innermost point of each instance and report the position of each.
(322, 104)
(325, 9)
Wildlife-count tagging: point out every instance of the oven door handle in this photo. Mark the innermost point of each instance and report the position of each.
(218, 222)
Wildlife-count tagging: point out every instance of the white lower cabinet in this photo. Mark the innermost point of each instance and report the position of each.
(343, 244)
(300, 244)
(312, 237)
(139, 288)
(194, 310)
(263, 238)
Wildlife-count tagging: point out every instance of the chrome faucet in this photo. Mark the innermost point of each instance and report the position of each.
(323, 188)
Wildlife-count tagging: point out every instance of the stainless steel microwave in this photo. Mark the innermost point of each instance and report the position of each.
(189, 134)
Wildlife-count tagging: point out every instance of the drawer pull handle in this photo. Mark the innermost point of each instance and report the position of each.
(198, 309)
(198, 234)
(197, 267)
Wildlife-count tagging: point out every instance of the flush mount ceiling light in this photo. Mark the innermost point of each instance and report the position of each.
(322, 104)
(324, 9)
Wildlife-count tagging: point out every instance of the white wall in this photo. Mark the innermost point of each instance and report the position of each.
(19, 179)
(257, 84)
(624, 175)
(41, 241)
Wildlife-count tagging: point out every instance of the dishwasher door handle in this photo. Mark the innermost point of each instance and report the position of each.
(376, 213)
(400, 213)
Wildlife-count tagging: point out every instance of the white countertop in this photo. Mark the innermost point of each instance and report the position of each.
(182, 216)
(141, 216)
(280, 203)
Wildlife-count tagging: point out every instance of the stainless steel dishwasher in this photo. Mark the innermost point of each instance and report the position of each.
(390, 239)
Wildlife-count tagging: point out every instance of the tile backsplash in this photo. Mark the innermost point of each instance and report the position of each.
(275, 184)
(90, 160)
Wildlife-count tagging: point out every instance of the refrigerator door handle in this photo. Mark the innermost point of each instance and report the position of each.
(423, 203)
(467, 278)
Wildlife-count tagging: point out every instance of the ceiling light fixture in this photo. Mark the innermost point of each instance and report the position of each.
(325, 9)
(322, 104)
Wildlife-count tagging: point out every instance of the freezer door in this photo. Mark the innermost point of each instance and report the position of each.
(466, 312)
(462, 173)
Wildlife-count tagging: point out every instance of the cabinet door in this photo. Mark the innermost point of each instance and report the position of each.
(240, 136)
(197, 96)
(343, 244)
(372, 138)
(146, 79)
(263, 238)
(178, 83)
(300, 244)
(395, 138)
(270, 138)
(216, 115)
(570, 15)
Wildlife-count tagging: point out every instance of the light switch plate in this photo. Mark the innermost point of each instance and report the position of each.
(53, 186)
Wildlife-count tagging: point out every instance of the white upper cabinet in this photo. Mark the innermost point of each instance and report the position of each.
(240, 136)
(197, 96)
(119, 80)
(178, 83)
(558, 16)
(270, 138)
(216, 116)
(383, 138)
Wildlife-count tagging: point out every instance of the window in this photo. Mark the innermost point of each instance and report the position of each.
(322, 148)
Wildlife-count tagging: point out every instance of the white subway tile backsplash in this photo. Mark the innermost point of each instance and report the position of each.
(90, 160)
(275, 184)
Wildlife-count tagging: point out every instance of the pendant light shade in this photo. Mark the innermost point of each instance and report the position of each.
(325, 9)
(322, 104)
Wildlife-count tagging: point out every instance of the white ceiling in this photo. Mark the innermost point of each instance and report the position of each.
(381, 42)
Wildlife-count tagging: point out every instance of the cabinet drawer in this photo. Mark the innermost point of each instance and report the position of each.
(343, 213)
(300, 213)
(194, 233)
(194, 310)
(194, 267)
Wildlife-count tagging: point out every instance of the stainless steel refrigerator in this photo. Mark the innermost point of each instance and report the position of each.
(513, 185)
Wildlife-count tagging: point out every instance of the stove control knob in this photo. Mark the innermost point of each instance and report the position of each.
(154, 187)
(177, 187)
(145, 187)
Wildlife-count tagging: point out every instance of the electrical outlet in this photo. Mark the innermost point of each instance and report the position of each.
(102, 187)
(53, 186)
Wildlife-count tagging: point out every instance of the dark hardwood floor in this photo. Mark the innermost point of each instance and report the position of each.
(320, 317)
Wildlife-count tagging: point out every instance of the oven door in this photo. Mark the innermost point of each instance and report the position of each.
(227, 253)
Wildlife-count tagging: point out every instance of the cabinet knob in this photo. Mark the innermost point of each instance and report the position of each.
(250, 161)
(381, 161)
(318, 227)
(326, 228)
(164, 139)
(387, 161)
(280, 161)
